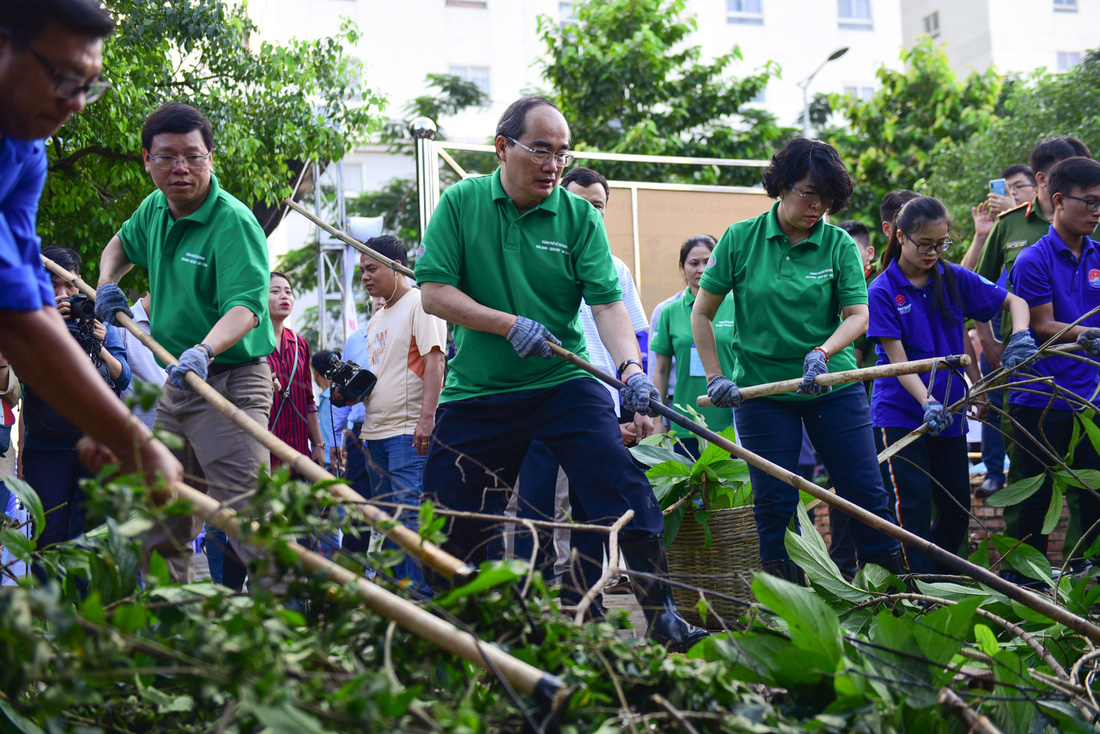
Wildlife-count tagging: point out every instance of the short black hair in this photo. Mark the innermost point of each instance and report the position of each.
(821, 161)
(322, 359)
(698, 240)
(586, 177)
(893, 202)
(66, 258)
(24, 21)
(178, 118)
(513, 123)
(1078, 172)
(1050, 151)
(1019, 168)
(390, 246)
(280, 274)
(856, 230)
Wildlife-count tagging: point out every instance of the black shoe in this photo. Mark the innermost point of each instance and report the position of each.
(787, 570)
(989, 487)
(666, 626)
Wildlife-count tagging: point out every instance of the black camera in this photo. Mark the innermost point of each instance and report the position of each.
(81, 308)
(81, 325)
(352, 382)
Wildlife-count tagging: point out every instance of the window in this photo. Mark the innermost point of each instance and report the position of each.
(932, 25)
(1068, 59)
(566, 13)
(748, 12)
(854, 15)
(479, 75)
(860, 92)
(1065, 6)
(477, 4)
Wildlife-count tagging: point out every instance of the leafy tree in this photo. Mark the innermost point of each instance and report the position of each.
(269, 105)
(1032, 109)
(627, 82)
(894, 136)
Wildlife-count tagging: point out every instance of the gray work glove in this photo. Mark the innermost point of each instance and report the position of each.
(723, 393)
(812, 366)
(109, 300)
(936, 418)
(194, 360)
(1090, 340)
(639, 395)
(1019, 348)
(528, 338)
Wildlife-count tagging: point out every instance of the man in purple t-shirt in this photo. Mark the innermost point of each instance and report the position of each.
(1059, 277)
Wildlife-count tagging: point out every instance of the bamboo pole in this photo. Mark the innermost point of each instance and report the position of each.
(844, 377)
(409, 540)
(348, 240)
(961, 565)
(416, 620)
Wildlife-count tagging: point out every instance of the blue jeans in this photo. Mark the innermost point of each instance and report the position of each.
(396, 475)
(839, 425)
(993, 441)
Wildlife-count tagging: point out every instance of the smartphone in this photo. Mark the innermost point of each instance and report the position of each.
(997, 186)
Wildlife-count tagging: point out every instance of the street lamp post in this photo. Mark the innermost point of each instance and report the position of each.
(805, 84)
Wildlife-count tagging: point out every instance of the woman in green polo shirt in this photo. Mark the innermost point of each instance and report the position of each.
(672, 338)
(801, 301)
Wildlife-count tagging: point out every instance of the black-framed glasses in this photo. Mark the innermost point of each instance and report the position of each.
(68, 86)
(168, 162)
(1093, 205)
(564, 160)
(812, 199)
(927, 248)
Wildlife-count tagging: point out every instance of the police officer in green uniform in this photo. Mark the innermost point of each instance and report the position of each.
(507, 259)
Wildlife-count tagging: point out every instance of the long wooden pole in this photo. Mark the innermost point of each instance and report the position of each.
(416, 620)
(845, 377)
(348, 240)
(1032, 601)
(409, 540)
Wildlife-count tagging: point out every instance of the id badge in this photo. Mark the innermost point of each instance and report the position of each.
(695, 366)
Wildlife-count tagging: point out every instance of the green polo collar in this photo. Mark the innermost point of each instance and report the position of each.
(203, 213)
(772, 230)
(549, 204)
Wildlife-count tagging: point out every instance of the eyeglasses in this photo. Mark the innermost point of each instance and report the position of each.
(563, 160)
(69, 85)
(1017, 186)
(1093, 205)
(168, 162)
(813, 199)
(928, 248)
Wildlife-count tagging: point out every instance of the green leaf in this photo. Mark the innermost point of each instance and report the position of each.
(1091, 430)
(653, 455)
(1016, 492)
(943, 632)
(129, 618)
(1091, 477)
(809, 552)
(92, 608)
(490, 576)
(1022, 558)
(668, 469)
(814, 626)
(673, 522)
(987, 641)
(286, 719)
(18, 544)
(1054, 510)
(21, 723)
(30, 501)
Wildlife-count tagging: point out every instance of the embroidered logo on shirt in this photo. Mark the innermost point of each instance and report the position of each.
(825, 274)
(552, 246)
(1015, 245)
(192, 259)
(419, 251)
(1094, 278)
(903, 306)
(710, 263)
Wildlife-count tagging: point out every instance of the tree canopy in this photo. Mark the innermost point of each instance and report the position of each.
(270, 105)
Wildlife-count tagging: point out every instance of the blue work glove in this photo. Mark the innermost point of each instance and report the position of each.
(109, 300)
(528, 338)
(936, 418)
(1019, 348)
(814, 365)
(1090, 340)
(639, 395)
(723, 393)
(194, 360)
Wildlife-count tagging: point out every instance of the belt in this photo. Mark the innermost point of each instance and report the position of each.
(217, 369)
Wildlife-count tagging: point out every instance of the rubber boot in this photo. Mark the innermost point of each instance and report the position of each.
(666, 626)
(787, 570)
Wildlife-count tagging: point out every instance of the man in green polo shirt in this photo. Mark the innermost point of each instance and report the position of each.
(208, 274)
(507, 259)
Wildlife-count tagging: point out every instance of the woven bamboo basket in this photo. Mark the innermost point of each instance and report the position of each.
(726, 567)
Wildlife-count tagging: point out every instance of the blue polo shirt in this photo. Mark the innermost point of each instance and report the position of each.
(1047, 272)
(24, 285)
(900, 310)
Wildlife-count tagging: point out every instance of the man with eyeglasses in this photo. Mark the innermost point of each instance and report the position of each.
(207, 260)
(51, 57)
(1059, 277)
(507, 258)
